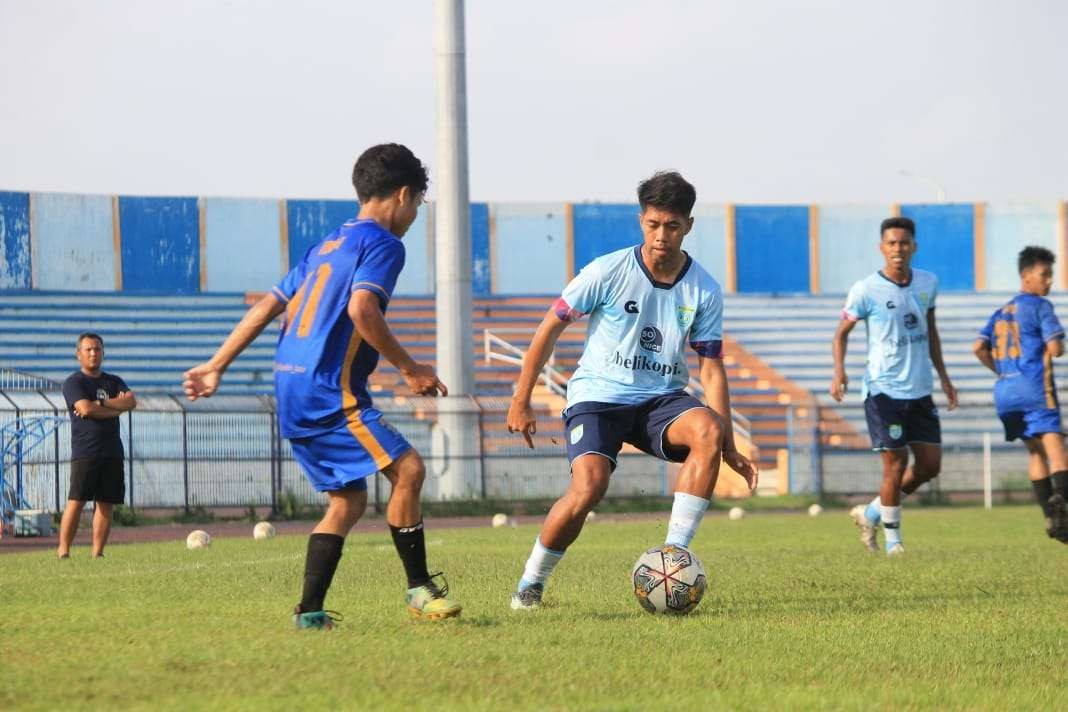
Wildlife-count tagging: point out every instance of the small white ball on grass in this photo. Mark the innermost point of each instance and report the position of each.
(735, 514)
(198, 539)
(591, 516)
(815, 510)
(500, 520)
(263, 530)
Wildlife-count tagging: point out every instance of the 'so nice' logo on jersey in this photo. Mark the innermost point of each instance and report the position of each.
(911, 321)
(651, 339)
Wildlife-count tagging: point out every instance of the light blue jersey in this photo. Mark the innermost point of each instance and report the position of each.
(899, 359)
(638, 330)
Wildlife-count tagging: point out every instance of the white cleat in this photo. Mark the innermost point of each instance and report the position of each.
(896, 550)
(868, 533)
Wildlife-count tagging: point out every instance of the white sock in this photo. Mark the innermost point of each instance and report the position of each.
(541, 563)
(873, 512)
(891, 525)
(686, 514)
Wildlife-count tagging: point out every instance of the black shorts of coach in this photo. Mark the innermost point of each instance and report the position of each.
(602, 428)
(97, 479)
(894, 423)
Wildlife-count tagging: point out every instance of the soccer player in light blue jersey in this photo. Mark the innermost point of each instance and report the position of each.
(645, 303)
(1019, 343)
(898, 305)
(334, 329)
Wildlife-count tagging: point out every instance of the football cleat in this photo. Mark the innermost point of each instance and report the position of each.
(896, 550)
(315, 620)
(1057, 524)
(868, 532)
(432, 601)
(529, 598)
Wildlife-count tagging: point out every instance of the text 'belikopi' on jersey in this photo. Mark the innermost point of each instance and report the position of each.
(638, 328)
(321, 364)
(899, 357)
(1017, 334)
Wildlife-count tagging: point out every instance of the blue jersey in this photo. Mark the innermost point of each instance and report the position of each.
(899, 358)
(636, 338)
(322, 365)
(1017, 334)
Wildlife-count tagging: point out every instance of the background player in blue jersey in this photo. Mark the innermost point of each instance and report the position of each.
(645, 303)
(1019, 343)
(334, 303)
(898, 305)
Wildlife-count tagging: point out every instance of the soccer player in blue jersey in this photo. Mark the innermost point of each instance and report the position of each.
(644, 304)
(334, 329)
(898, 305)
(1019, 343)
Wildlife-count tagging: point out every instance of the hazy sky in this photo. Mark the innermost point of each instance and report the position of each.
(752, 100)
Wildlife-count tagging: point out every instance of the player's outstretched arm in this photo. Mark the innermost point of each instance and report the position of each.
(366, 314)
(203, 380)
(718, 398)
(934, 343)
(839, 342)
(520, 415)
(981, 349)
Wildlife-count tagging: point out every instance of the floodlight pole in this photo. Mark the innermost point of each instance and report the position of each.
(456, 439)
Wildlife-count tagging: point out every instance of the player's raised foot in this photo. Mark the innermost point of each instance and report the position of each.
(315, 620)
(529, 598)
(896, 550)
(432, 601)
(1057, 524)
(868, 531)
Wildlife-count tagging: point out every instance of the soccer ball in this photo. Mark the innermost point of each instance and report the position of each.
(500, 520)
(735, 514)
(668, 579)
(815, 510)
(263, 530)
(199, 539)
(591, 516)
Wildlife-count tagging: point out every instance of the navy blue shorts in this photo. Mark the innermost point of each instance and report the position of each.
(344, 457)
(602, 428)
(1029, 424)
(894, 423)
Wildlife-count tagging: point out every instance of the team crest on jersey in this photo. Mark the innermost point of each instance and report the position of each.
(576, 433)
(896, 432)
(101, 394)
(684, 316)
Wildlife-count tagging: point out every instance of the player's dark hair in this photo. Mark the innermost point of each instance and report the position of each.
(903, 223)
(384, 168)
(1031, 256)
(669, 191)
(88, 335)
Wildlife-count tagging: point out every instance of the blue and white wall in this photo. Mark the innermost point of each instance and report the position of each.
(186, 245)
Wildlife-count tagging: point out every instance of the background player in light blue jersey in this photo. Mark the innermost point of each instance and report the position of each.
(1019, 343)
(898, 305)
(334, 303)
(645, 303)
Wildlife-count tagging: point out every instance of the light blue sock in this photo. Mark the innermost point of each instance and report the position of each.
(686, 514)
(541, 563)
(892, 526)
(873, 512)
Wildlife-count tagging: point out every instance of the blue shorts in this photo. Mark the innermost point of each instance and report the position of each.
(344, 457)
(1029, 424)
(602, 428)
(894, 423)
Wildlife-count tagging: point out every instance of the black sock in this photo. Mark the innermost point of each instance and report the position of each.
(411, 547)
(1043, 491)
(324, 551)
(1060, 483)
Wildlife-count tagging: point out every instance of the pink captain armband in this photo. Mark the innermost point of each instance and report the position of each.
(708, 349)
(564, 311)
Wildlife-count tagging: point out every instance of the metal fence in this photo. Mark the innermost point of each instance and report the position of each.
(227, 452)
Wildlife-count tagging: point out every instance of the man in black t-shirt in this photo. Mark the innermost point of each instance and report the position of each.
(95, 400)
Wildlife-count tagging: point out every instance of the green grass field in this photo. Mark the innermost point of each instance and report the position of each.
(797, 616)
